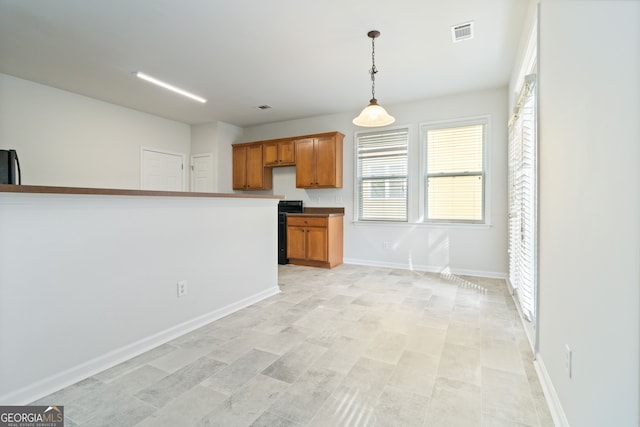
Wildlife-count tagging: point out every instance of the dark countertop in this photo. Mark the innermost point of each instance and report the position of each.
(319, 212)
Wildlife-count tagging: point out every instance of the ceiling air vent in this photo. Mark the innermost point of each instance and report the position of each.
(264, 107)
(462, 32)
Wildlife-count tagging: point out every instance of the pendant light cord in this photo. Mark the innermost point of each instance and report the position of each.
(373, 69)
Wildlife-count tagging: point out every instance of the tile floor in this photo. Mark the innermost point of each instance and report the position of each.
(351, 346)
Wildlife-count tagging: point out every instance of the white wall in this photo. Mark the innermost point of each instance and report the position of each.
(226, 134)
(589, 263)
(472, 250)
(71, 140)
(89, 281)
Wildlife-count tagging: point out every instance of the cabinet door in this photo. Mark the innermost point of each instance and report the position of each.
(286, 153)
(239, 167)
(305, 163)
(296, 238)
(317, 244)
(326, 162)
(270, 152)
(279, 153)
(255, 168)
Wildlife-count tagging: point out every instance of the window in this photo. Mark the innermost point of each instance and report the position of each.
(382, 175)
(522, 200)
(454, 171)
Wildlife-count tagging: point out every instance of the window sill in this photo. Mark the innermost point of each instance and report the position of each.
(435, 225)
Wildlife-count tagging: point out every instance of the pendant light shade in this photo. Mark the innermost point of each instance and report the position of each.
(373, 115)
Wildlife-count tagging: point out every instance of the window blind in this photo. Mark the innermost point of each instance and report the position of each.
(522, 202)
(455, 173)
(382, 164)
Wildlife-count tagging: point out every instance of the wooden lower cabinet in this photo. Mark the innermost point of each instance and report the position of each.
(315, 240)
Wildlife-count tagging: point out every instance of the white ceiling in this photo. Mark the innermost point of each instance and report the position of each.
(303, 57)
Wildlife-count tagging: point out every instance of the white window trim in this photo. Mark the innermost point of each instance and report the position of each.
(486, 156)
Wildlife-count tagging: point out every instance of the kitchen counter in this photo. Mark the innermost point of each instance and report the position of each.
(41, 189)
(102, 267)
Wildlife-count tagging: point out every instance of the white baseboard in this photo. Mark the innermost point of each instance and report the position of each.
(428, 268)
(91, 367)
(557, 413)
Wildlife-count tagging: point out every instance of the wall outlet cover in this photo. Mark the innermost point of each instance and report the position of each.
(182, 288)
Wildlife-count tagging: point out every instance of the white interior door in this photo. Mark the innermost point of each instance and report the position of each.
(161, 170)
(202, 173)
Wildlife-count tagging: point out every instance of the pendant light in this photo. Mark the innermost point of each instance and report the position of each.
(373, 114)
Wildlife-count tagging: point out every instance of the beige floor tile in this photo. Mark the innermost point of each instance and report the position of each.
(349, 346)
(387, 347)
(463, 334)
(397, 407)
(415, 372)
(187, 409)
(295, 362)
(346, 406)
(460, 363)
(426, 340)
(506, 395)
(301, 401)
(234, 376)
(454, 404)
(501, 354)
(247, 404)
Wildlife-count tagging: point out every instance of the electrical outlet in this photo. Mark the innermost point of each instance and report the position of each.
(385, 245)
(182, 288)
(568, 360)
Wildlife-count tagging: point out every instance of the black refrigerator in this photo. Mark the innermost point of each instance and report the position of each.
(284, 207)
(9, 167)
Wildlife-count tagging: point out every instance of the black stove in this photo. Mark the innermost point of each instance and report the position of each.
(284, 207)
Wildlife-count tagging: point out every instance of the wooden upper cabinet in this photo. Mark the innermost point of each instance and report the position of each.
(239, 155)
(317, 158)
(305, 163)
(248, 169)
(319, 161)
(279, 153)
